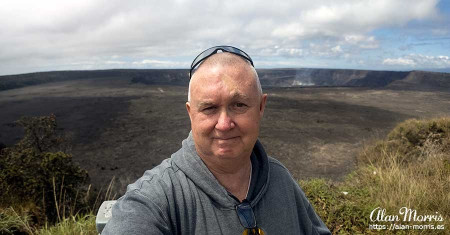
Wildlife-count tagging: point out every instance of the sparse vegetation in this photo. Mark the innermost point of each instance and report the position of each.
(410, 168)
(39, 183)
(76, 225)
(13, 222)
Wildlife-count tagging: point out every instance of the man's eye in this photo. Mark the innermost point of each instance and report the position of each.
(240, 105)
(210, 108)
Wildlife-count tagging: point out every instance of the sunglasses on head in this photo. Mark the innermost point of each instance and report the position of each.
(213, 50)
(247, 219)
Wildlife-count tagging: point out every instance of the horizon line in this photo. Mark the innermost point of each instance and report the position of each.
(444, 70)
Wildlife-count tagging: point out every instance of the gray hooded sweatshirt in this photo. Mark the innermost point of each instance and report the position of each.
(181, 196)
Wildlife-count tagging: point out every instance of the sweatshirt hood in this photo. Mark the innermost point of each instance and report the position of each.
(188, 161)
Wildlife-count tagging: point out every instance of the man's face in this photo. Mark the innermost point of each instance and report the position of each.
(225, 111)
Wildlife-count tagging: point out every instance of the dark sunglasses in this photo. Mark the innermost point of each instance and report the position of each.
(247, 219)
(213, 50)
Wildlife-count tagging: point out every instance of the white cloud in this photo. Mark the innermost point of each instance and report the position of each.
(336, 49)
(115, 62)
(362, 41)
(341, 18)
(399, 61)
(326, 50)
(285, 52)
(42, 33)
(160, 63)
(420, 61)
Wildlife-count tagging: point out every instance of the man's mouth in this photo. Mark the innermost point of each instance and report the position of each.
(225, 138)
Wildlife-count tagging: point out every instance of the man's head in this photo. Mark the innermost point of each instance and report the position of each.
(225, 105)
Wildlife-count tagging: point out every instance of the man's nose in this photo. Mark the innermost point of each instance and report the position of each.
(225, 122)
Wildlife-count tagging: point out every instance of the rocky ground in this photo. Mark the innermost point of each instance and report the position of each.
(120, 129)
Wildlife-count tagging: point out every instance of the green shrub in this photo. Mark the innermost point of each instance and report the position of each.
(414, 133)
(343, 209)
(406, 142)
(35, 172)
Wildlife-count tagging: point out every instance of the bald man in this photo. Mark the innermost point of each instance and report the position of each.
(221, 181)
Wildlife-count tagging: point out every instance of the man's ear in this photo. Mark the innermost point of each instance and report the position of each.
(188, 108)
(262, 105)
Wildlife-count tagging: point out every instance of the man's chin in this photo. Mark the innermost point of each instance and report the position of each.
(226, 153)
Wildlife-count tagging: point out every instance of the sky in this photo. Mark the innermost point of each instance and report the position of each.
(50, 35)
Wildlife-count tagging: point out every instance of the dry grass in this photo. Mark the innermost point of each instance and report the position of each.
(20, 218)
(76, 225)
(424, 184)
(410, 168)
(11, 220)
